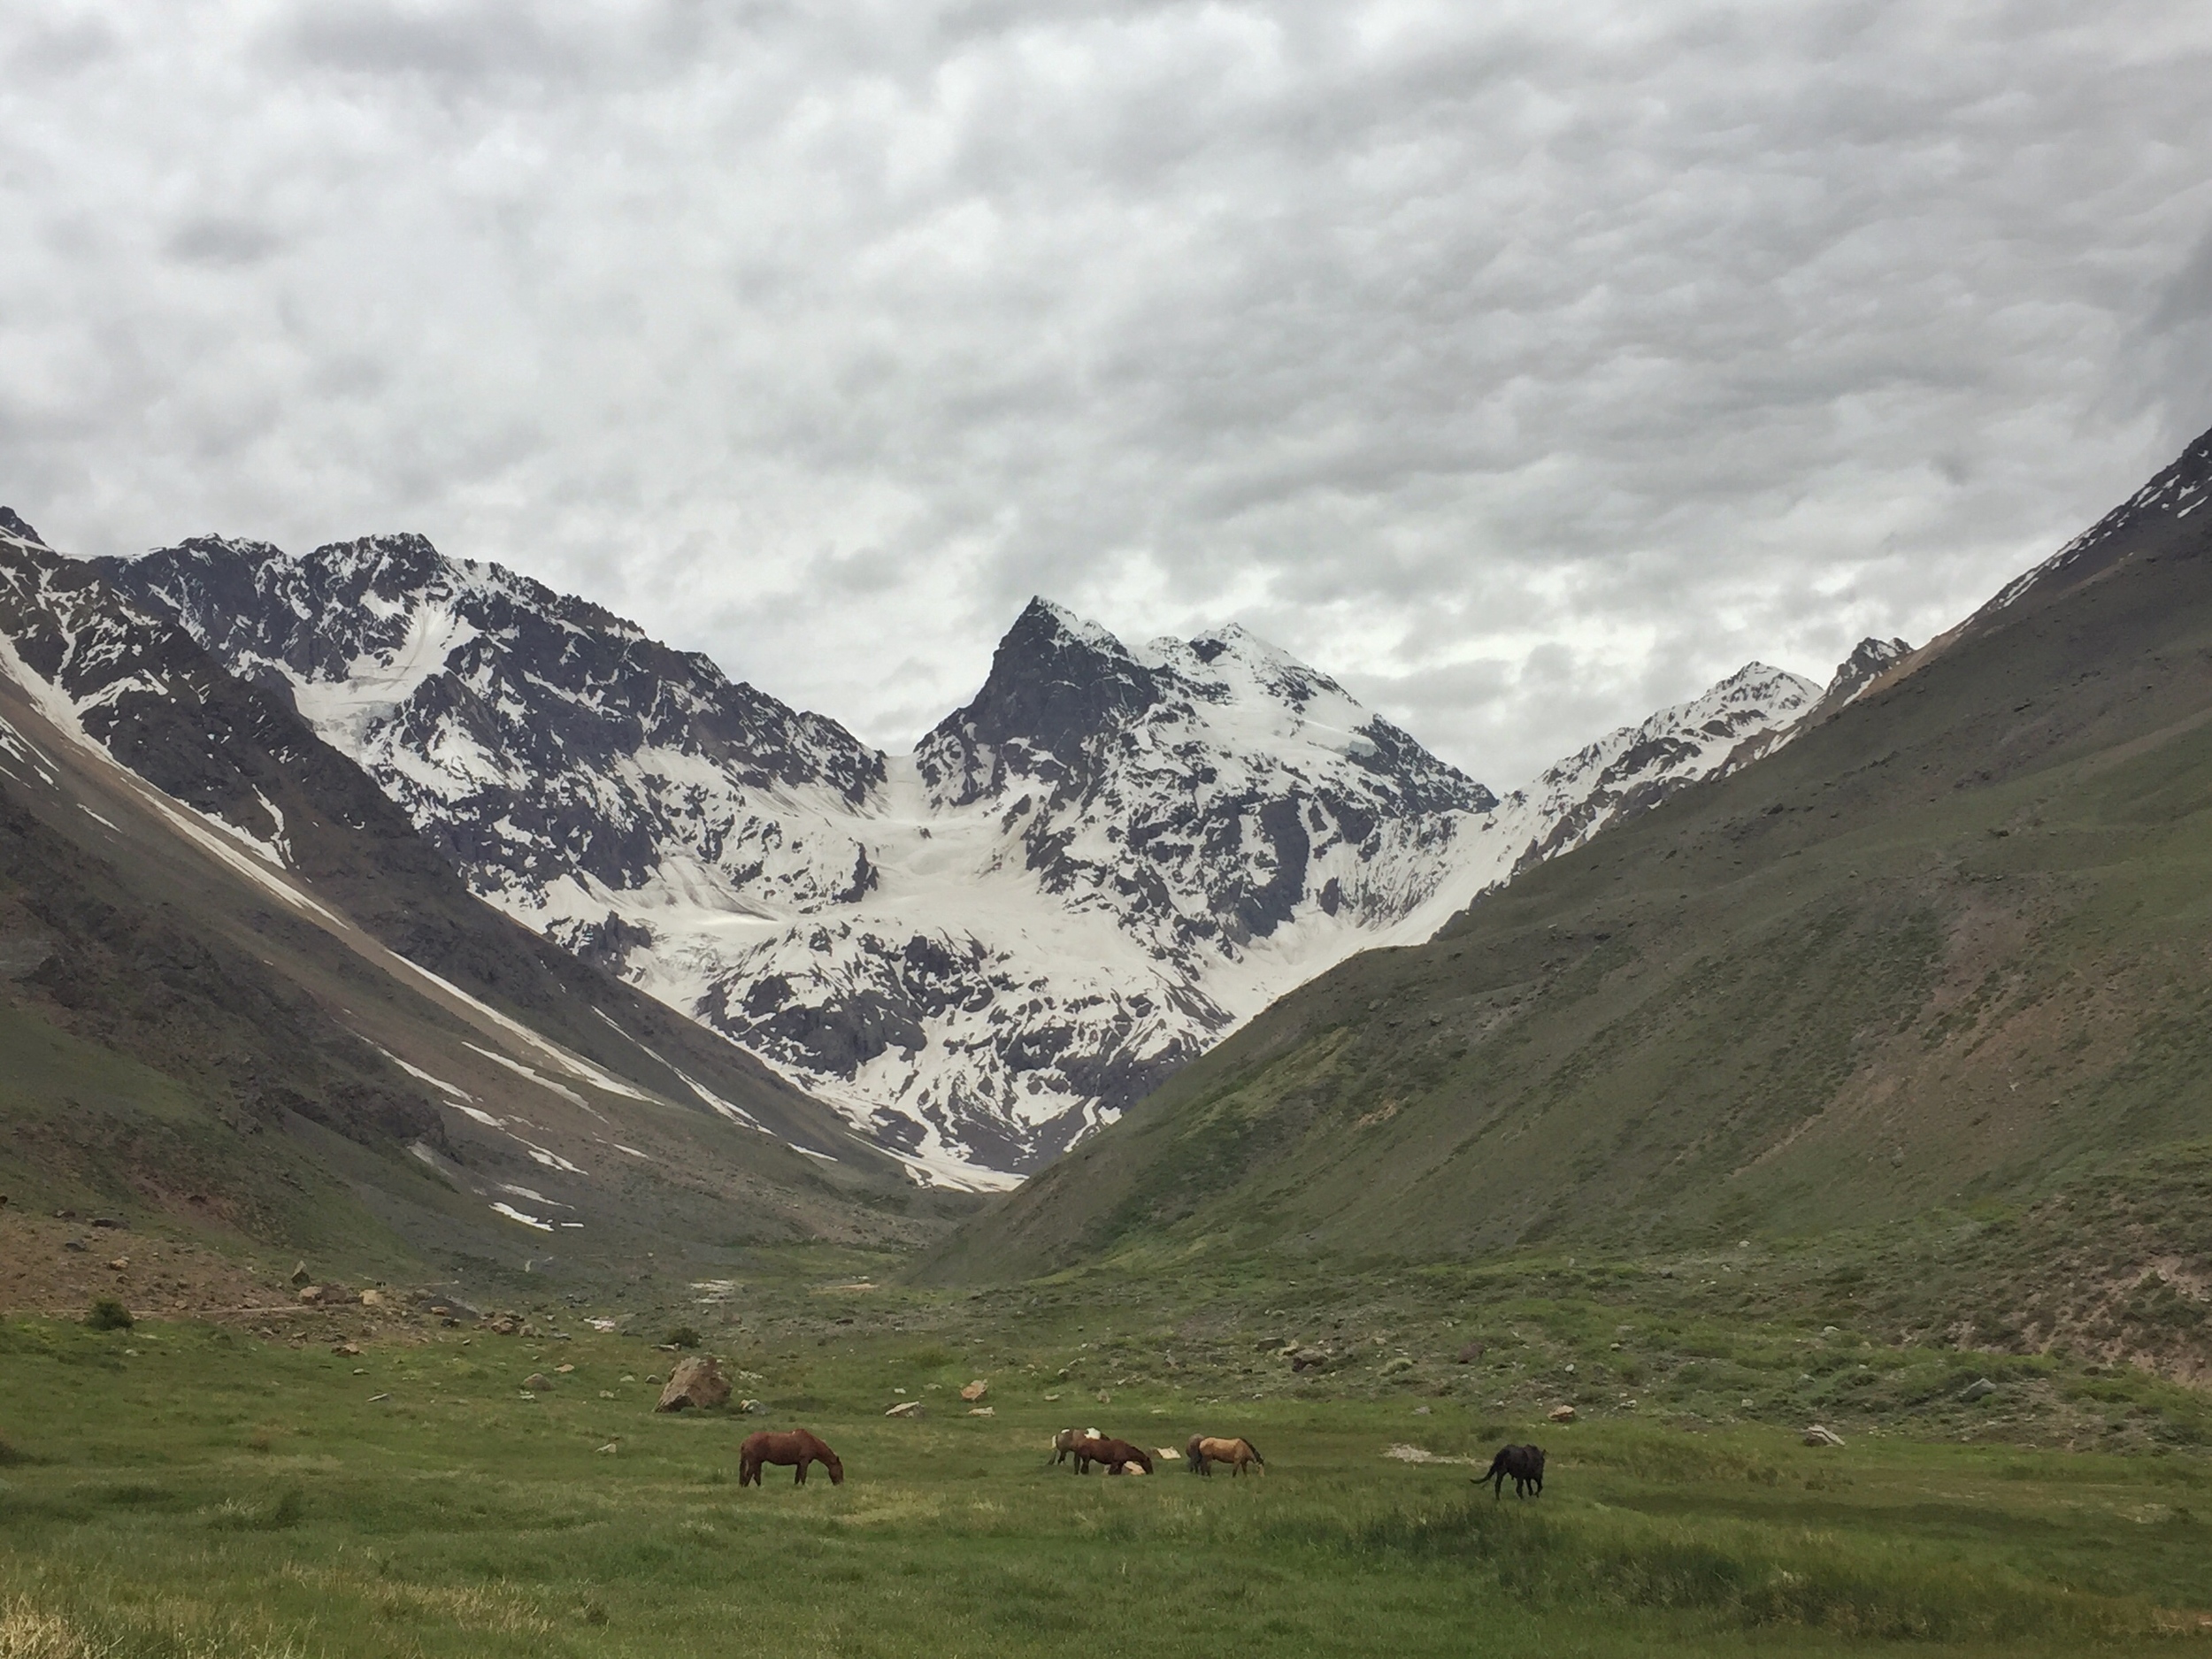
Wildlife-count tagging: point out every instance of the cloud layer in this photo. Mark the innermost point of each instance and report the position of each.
(1526, 365)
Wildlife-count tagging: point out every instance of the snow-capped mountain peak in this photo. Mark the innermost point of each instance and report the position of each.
(1078, 881)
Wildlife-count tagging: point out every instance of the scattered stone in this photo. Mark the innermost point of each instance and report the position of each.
(374, 1398)
(1308, 1359)
(301, 1275)
(1474, 1351)
(312, 1293)
(1980, 1388)
(538, 1383)
(118, 1264)
(751, 1408)
(1135, 1468)
(1817, 1435)
(372, 1299)
(982, 1411)
(1420, 1412)
(975, 1391)
(905, 1408)
(1392, 1367)
(72, 1244)
(697, 1380)
(563, 1371)
(346, 1350)
(606, 1394)
(1560, 1414)
(611, 1449)
(102, 1221)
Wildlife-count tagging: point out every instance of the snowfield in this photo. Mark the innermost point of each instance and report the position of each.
(979, 952)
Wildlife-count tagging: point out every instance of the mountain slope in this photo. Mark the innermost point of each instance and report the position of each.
(233, 981)
(1951, 940)
(1105, 862)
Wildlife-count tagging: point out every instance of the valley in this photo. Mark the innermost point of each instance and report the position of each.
(1804, 1057)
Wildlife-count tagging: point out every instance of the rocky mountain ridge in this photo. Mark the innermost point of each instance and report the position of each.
(1105, 861)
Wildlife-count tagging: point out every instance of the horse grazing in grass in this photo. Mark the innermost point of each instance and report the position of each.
(1113, 1454)
(1523, 1464)
(1204, 1452)
(799, 1446)
(1066, 1441)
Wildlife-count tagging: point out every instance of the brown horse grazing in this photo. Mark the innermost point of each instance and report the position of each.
(1524, 1464)
(1113, 1454)
(801, 1447)
(1204, 1452)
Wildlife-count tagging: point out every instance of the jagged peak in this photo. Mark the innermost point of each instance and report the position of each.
(1043, 618)
(12, 523)
(1869, 659)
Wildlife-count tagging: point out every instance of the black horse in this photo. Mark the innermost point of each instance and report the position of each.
(1524, 1465)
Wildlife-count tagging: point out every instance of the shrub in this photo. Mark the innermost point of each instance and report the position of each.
(109, 1314)
(682, 1336)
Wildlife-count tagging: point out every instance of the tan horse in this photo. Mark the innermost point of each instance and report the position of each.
(1204, 1452)
(801, 1447)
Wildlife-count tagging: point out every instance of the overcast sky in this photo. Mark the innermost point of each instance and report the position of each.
(1525, 365)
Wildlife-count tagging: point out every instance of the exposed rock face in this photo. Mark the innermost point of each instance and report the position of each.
(1077, 883)
(697, 1380)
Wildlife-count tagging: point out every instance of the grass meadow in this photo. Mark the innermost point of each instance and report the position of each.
(181, 1489)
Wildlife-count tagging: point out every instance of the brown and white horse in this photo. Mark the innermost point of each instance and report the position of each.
(1066, 1441)
(799, 1446)
(1204, 1452)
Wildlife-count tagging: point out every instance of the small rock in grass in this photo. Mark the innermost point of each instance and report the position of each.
(751, 1408)
(982, 1411)
(975, 1391)
(905, 1408)
(563, 1371)
(1560, 1414)
(538, 1383)
(346, 1350)
(611, 1449)
(1980, 1388)
(1818, 1435)
(696, 1381)
(1474, 1351)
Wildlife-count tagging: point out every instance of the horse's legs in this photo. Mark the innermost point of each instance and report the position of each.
(799, 1480)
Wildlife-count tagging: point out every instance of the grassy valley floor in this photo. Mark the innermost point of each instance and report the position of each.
(185, 1488)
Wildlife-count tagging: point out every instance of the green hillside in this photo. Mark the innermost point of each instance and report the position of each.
(1953, 945)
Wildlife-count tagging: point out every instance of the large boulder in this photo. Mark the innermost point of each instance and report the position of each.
(696, 1381)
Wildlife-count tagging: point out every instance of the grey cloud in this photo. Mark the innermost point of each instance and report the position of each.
(1524, 365)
